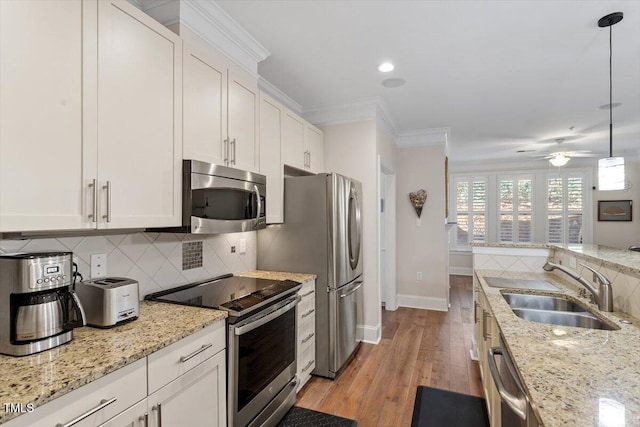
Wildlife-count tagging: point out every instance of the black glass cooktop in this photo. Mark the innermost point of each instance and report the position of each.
(237, 295)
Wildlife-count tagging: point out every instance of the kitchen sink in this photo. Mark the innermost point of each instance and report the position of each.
(542, 302)
(555, 310)
(563, 318)
(530, 284)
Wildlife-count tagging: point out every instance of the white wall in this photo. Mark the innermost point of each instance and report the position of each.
(153, 259)
(461, 263)
(350, 149)
(421, 248)
(619, 234)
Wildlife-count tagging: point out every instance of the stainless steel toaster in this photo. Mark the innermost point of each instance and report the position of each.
(109, 301)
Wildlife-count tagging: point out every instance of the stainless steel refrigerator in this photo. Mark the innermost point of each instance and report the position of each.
(322, 234)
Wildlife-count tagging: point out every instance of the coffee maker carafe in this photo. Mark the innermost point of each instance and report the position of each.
(38, 308)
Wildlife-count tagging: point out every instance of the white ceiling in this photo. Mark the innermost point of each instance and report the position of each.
(502, 75)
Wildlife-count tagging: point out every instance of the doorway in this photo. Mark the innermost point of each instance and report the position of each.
(387, 237)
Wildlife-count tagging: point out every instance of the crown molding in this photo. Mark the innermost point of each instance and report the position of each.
(423, 137)
(136, 3)
(363, 109)
(211, 23)
(279, 96)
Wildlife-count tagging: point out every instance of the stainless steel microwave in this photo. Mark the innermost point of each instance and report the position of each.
(218, 199)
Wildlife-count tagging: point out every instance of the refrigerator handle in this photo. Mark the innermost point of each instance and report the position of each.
(354, 255)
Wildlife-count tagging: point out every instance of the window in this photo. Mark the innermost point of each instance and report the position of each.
(471, 210)
(539, 206)
(565, 208)
(515, 209)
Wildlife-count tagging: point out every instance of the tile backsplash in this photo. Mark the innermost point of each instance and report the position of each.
(155, 260)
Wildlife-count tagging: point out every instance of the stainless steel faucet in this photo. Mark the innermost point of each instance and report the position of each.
(603, 295)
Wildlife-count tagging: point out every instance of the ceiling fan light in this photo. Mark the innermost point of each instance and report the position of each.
(559, 160)
(611, 174)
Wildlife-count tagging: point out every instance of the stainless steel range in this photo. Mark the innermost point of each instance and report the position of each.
(261, 342)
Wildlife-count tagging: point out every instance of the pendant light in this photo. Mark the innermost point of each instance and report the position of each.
(611, 169)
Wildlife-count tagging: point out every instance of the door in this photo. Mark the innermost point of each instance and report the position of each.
(205, 109)
(313, 148)
(347, 311)
(139, 118)
(196, 398)
(43, 184)
(271, 114)
(242, 119)
(293, 140)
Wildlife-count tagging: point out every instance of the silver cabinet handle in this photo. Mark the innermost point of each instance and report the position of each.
(103, 404)
(94, 212)
(351, 291)
(307, 294)
(233, 151)
(145, 418)
(309, 165)
(518, 404)
(485, 332)
(195, 353)
(158, 408)
(304, 341)
(310, 312)
(226, 151)
(307, 367)
(475, 312)
(108, 188)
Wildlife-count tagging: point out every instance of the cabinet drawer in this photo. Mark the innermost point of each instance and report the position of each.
(306, 334)
(124, 387)
(169, 363)
(132, 417)
(306, 363)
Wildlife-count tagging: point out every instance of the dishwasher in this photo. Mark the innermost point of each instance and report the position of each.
(515, 409)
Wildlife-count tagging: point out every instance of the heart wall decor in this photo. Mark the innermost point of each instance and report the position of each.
(418, 199)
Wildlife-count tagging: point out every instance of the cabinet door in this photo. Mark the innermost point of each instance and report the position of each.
(197, 398)
(132, 417)
(139, 118)
(43, 184)
(293, 140)
(204, 104)
(242, 104)
(271, 114)
(313, 148)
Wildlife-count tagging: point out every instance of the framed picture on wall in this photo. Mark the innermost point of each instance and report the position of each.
(615, 210)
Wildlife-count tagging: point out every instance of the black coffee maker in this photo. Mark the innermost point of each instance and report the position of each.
(38, 308)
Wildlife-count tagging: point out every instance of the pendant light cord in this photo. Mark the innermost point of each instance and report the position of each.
(610, 95)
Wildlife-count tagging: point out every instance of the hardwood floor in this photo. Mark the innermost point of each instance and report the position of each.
(418, 347)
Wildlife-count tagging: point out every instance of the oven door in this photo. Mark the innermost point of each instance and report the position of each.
(223, 205)
(262, 359)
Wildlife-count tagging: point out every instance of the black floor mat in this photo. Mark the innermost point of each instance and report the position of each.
(298, 417)
(442, 408)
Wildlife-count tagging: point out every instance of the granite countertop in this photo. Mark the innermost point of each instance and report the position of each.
(278, 275)
(94, 353)
(574, 376)
(623, 259)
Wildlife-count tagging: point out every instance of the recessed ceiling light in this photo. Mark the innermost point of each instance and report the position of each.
(385, 67)
(395, 82)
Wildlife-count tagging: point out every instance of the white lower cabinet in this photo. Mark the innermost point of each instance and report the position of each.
(196, 398)
(306, 336)
(183, 384)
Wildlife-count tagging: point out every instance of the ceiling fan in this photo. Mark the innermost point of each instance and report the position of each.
(561, 157)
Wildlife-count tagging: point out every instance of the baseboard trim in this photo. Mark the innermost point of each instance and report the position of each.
(461, 271)
(426, 303)
(370, 334)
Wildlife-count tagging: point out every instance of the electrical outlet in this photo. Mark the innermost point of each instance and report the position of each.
(419, 275)
(243, 246)
(98, 266)
(233, 249)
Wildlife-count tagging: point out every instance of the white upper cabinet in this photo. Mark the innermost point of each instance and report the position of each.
(271, 116)
(91, 110)
(205, 108)
(293, 140)
(313, 148)
(220, 111)
(41, 143)
(139, 118)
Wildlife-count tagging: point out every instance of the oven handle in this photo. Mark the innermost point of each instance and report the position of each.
(289, 304)
(517, 404)
(255, 188)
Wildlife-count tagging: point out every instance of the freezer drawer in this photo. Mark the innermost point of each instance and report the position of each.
(345, 310)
